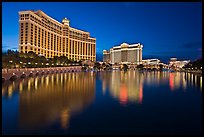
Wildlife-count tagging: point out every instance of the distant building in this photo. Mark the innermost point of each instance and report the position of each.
(177, 63)
(151, 62)
(106, 56)
(124, 54)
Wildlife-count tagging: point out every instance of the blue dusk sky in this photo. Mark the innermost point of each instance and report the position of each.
(166, 29)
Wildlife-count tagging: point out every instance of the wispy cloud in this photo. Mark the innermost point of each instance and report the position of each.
(192, 45)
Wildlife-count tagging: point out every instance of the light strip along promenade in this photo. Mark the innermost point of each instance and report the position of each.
(25, 72)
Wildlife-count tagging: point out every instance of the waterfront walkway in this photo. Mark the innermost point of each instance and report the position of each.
(25, 72)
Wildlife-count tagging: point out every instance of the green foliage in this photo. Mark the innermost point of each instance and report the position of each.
(97, 65)
(161, 67)
(12, 59)
(195, 64)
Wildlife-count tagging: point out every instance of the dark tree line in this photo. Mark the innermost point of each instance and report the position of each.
(14, 59)
(197, 64)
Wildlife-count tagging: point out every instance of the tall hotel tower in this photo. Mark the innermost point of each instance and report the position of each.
(45, 36)
(124, 54)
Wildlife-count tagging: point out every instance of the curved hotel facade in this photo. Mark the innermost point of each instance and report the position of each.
(124, 54)
(45, 36)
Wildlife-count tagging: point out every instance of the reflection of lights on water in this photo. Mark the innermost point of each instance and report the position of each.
(201, 83)
(29, 82)
(177, 80)
(189, 77)
(52, 103)
(171, 81)
(195, 80)
(52, 79)
(57, 78)
(42, 80)
(73, 77)
(36, 83)
(104, 88)
(192, 79)
(123, 94)
(141, 94)
(21, 87)
(65, 76)
(47, 81)
(10, 90)
(64, 119)
(3, 91)
(124, 87)
(61, 78)
(184, 83)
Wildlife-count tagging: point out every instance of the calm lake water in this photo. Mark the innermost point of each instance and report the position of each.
(112, 102)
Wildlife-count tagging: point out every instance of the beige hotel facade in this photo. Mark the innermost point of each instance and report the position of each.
(47, 37)
(124, 54)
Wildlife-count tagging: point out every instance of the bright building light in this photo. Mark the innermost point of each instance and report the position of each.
(11, 61)
(29, 63)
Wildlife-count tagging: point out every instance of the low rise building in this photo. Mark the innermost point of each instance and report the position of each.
(176, 63)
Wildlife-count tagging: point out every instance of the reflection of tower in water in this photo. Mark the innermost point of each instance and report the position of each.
(53, 97)
(124, 86)
(177, 79)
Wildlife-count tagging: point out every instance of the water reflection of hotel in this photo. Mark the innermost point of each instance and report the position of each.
(125, 86)
(156, 78)
(44, 100)
(177, 80)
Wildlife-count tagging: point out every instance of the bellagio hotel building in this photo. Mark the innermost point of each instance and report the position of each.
(47, 37)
